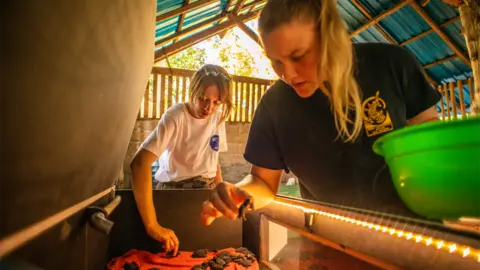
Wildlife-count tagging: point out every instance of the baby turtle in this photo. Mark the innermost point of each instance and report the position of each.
(130, 266)
(244, 207)
(170, 254)
(201, 253)
(244, 251)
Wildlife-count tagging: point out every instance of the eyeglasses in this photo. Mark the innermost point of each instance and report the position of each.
(216, 73)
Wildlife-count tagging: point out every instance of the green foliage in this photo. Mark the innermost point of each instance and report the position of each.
(234, 56)
(229, 53)
(244, 64)
(191, 58)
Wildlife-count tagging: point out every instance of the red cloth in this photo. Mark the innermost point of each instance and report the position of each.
(146, 260)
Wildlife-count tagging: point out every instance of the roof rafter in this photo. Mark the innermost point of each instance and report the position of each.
(238, 6)
(386, 35)
(183, 10)
(245, 28)
(194, 39)
(189, 30)
(192, 29)
(182, 18)
(441, 61)
(380, 17)
(439, 31)
(369, 16)
(227, 6)
(429, 31)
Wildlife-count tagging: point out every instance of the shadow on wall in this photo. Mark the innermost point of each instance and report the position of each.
(234, 167)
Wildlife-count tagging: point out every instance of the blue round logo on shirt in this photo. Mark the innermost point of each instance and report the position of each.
(215, 142)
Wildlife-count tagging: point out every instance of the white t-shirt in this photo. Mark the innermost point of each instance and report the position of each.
(186, 146)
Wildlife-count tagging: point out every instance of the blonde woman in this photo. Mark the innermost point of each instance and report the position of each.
(320, 119)
(187, 142)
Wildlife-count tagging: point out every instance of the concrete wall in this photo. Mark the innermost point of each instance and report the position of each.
(234, 167)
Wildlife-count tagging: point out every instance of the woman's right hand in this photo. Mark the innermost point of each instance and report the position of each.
(224, 200)
(164, 235)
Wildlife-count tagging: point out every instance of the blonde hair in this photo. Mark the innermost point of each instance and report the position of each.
(209, 75)
(336, 55)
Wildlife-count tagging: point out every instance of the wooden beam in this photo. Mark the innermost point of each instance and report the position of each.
(386, 35)
(227, 6)
(369, 16)
(238, 6)
(223, 34)
(429, 31)
(455, 3)
(245, 28)
(192, 40)
(252, 4)
(441, 61)
(183, 10)
(250, 7)
(182, 18)
(189, 30)
(225, 11)
(380, 17)
(425, 2)
(192, 29)
(439, 31)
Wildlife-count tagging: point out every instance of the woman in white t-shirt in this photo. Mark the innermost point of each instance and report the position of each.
(186, 142)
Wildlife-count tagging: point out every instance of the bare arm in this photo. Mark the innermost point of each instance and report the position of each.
(142, 186)
(429, 115)
(262, 184)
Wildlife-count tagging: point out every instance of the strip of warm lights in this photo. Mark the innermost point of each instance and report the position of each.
(464, 251)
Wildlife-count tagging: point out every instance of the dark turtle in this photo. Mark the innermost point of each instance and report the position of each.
(244, 207)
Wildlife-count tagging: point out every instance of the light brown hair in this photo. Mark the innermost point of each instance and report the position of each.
(335, 53)
(209, 75)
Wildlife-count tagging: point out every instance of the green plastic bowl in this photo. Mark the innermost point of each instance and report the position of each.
(435, 167)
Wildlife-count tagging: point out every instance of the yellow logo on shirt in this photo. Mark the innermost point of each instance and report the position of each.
(375, 116)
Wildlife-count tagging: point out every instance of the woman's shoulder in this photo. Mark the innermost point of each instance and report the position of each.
(176, 108)
(276, 91)
(382, 52)
(176, 111)
(377, 48)
(277, 98)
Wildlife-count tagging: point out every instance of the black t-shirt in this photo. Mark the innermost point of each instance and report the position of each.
(299, 135)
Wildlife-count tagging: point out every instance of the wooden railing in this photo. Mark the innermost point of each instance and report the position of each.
(168, 87)
(453, 102)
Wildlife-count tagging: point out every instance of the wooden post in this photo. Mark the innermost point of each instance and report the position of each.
(447, 99)
(471, 29)
(462, 98)
(453, 99)
(442, 106)
(146, 100)
(155, 96)
(472, 90)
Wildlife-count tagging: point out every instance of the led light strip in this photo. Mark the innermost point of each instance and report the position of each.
(464, 251)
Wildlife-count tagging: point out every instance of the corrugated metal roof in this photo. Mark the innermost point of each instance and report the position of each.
(402, 25)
